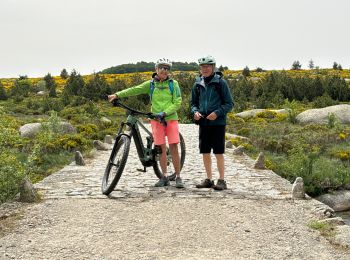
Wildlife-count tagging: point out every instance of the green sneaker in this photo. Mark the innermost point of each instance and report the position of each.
(220, 185)
(178, 183)
(164, 181)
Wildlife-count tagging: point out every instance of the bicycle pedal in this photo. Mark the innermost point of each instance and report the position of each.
(141, 170)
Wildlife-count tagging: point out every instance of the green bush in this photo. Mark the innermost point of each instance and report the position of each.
(72, 143)
(11, 175)
(324, 101)
(88, 130)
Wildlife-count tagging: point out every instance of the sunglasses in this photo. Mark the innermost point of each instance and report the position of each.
(164, 68)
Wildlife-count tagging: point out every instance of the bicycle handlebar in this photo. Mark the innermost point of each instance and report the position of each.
(117, 103)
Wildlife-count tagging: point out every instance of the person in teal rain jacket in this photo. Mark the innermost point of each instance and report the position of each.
(166, 99)
(211, 100)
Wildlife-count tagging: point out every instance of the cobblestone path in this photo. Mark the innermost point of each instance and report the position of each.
(243, 181)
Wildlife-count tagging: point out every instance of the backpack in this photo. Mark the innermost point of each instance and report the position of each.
(152, 87)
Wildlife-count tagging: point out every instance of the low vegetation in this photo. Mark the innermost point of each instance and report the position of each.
(320, 154)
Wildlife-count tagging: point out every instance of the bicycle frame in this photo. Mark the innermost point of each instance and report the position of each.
(145, 153)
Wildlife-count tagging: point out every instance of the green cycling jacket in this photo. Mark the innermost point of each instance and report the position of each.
(162, 99)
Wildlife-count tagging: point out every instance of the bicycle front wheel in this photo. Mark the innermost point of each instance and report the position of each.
(116, 164)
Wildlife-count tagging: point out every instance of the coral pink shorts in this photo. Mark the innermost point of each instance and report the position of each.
(171, 131)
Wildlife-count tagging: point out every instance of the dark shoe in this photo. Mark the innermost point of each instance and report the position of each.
(172, 177)
(179, 184)
(164, 181)
(205, 184)
(220, 185)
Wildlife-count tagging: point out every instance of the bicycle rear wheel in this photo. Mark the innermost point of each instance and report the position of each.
(116, 164)
(182, 153)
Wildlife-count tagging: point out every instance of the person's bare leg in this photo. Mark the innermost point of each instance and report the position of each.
(162, 160)
(174, 151)
(220, 162)
(207, 165)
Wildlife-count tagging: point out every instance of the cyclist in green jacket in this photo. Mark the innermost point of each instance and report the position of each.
(166, 99)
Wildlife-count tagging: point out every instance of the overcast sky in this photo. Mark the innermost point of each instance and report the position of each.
(41, 36)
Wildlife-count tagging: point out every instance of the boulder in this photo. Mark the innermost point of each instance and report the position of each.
(32, 129)
(254, 79)
(67, 128)
(337, 200)
(105, 121)
(260, 162)
(108, 139)
(337, 221)
(233, 136)
(298, 191)
(249, 113)
(100, 146)
(79, 159)
(342, 236)
(238, 151)
(229, 144)
(27, 191)
(320, 115)
(41, 93)
(254, 112)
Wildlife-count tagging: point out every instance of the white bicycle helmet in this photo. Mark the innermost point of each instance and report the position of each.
(207, 60)
(164, 62)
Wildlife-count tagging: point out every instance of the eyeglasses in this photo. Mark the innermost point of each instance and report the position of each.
(164, 68)
(205, 66)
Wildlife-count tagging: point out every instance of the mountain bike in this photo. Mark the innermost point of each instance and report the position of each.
(148, 154)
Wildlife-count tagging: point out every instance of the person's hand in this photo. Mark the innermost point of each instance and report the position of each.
(197, 116)
(212, 116)
(112, 97)
(160, 116)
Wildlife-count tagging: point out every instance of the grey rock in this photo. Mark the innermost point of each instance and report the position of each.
(41, 93)
(260, 161)
(238, 151)
(320, 115)
(322, 211)
(67, 128)
(229, 144)
(298, 191)
(249, 113)
(27, 191)
(32, 129)
(100, 146)
(108, 139)
(105, 121)
(333, 221)
(254, 112)
(254, 79)
(79, 160)
(337, 200)
(233, 136)
(342, 236)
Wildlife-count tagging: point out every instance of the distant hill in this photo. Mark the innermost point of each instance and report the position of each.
(148, 66)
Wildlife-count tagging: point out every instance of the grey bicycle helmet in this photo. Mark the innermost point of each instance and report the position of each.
(207, 60)
(164, 62)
